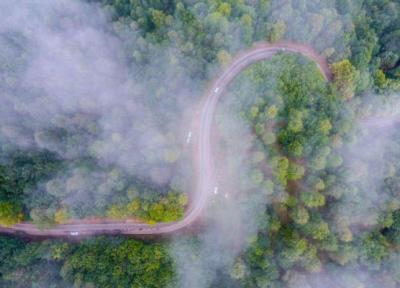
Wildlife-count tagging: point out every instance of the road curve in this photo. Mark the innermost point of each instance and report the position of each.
(203, 156)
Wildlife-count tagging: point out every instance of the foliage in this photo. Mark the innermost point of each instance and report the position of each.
(301, 125)
(9, 214)
(124, 263)
(344, 76)
(102, 262)
(166, 209)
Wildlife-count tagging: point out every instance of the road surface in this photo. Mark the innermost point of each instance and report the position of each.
(205, 183)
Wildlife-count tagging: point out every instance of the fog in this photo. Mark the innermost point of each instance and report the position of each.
(231, 219)
(67, 74)
(74, 73)
(369, 160)
(236, 213)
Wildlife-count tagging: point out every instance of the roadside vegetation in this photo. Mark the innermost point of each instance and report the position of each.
(99, 262)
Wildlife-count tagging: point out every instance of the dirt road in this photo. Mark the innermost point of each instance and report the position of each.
(205, 182)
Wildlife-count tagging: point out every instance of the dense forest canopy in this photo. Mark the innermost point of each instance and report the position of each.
(93, 97)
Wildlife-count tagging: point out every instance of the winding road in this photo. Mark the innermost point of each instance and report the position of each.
(205, 181)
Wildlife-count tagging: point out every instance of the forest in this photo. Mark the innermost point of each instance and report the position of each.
(330, 181)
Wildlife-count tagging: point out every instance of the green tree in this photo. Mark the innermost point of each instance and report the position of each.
(10, 214)
(276, 31)
(300, 215)
(43, 218)
(119, 263)
(295, 171)
(380, 80)
(238, 270)
(280, 169)
(156, 211)
(268, 138)
(116, 211)
(373, 248)
(295, 121)
(313, 199)
(272, 111)
(325, 126)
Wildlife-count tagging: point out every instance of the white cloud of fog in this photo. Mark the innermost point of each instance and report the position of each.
(353, 277)
(62, 68)
(231, 218)
(315, 22)
(369, 161)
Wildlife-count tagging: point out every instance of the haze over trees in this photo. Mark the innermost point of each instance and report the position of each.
(330, 183)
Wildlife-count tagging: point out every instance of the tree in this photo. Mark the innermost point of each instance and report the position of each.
(345, 233)
(61, 216)
(182, 199)
(318, 162)
(43, 218)
(116, 211)
(258, 156)
(300, 215)
(132, 193)
(276, 31)
(156, 212)
(158, 18)
(311, 261)
(296, 148)
(292, 251)
(325, 126)
(373, 248)
(223, 57)
(295, 121)
(294, 279)
(344, 77)
(320, 230)
(280, 169)
(388, 60)
(334, 160)
(60, 250)
(337, 141)
(238, 270)
(272, 111)
(295, 171)
(313, 199)
(254, 112)
(225, 9)
(345, 254)
(268, 138)
(318, 184)
(317, 228)
(247, 28)
(133, 206)
(393, 232)
(380, 80)
(9, 214)
(257, 177)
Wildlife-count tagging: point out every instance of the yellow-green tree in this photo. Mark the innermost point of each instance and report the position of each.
(61, 216)
(117, 211)
(276, 31)
(344, 77)
(9, 214)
